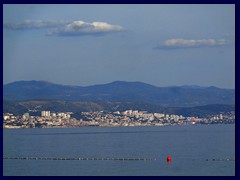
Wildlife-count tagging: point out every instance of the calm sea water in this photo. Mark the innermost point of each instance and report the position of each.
(189, 147)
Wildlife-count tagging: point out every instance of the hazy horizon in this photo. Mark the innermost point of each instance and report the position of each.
(87, 44)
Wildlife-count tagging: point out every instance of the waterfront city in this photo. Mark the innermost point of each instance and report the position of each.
(49, 119)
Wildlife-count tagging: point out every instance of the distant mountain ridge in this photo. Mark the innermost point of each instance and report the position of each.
(179, 96)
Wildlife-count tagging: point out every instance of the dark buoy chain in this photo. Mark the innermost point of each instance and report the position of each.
(79, 158)
(221, 159)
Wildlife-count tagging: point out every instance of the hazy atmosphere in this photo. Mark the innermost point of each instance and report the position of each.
(162, 45)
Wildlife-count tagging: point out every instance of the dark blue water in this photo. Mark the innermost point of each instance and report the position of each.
(189, 147)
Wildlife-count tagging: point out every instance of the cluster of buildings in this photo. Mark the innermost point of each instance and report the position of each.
(46, 120)
(143, 118)
(100, 118)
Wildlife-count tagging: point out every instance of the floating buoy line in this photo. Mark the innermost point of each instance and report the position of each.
(80, 158)
(220, 159)
(169, 159)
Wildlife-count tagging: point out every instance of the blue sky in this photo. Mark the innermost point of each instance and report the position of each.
(162, 45)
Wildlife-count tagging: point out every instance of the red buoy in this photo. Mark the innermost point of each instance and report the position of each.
(169, 159)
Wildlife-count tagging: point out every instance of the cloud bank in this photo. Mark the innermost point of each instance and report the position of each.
(66, 28)
(36, 24)
(191, 43)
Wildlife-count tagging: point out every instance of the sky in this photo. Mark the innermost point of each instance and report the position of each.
(159, 44)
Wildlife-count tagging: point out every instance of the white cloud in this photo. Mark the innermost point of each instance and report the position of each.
(191, 43)
(84, 28)
(66, 27)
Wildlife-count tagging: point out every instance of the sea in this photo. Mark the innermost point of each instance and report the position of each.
(195, 150)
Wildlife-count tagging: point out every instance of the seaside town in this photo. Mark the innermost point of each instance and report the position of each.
(49, 119)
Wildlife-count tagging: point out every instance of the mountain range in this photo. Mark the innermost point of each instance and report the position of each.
(120, 91)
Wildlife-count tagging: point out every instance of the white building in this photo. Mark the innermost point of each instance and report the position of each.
(5, 117)
(25, 116)
(221, 116)
(8, 116)
(159, 115)
(45, 114)
(53, 114)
